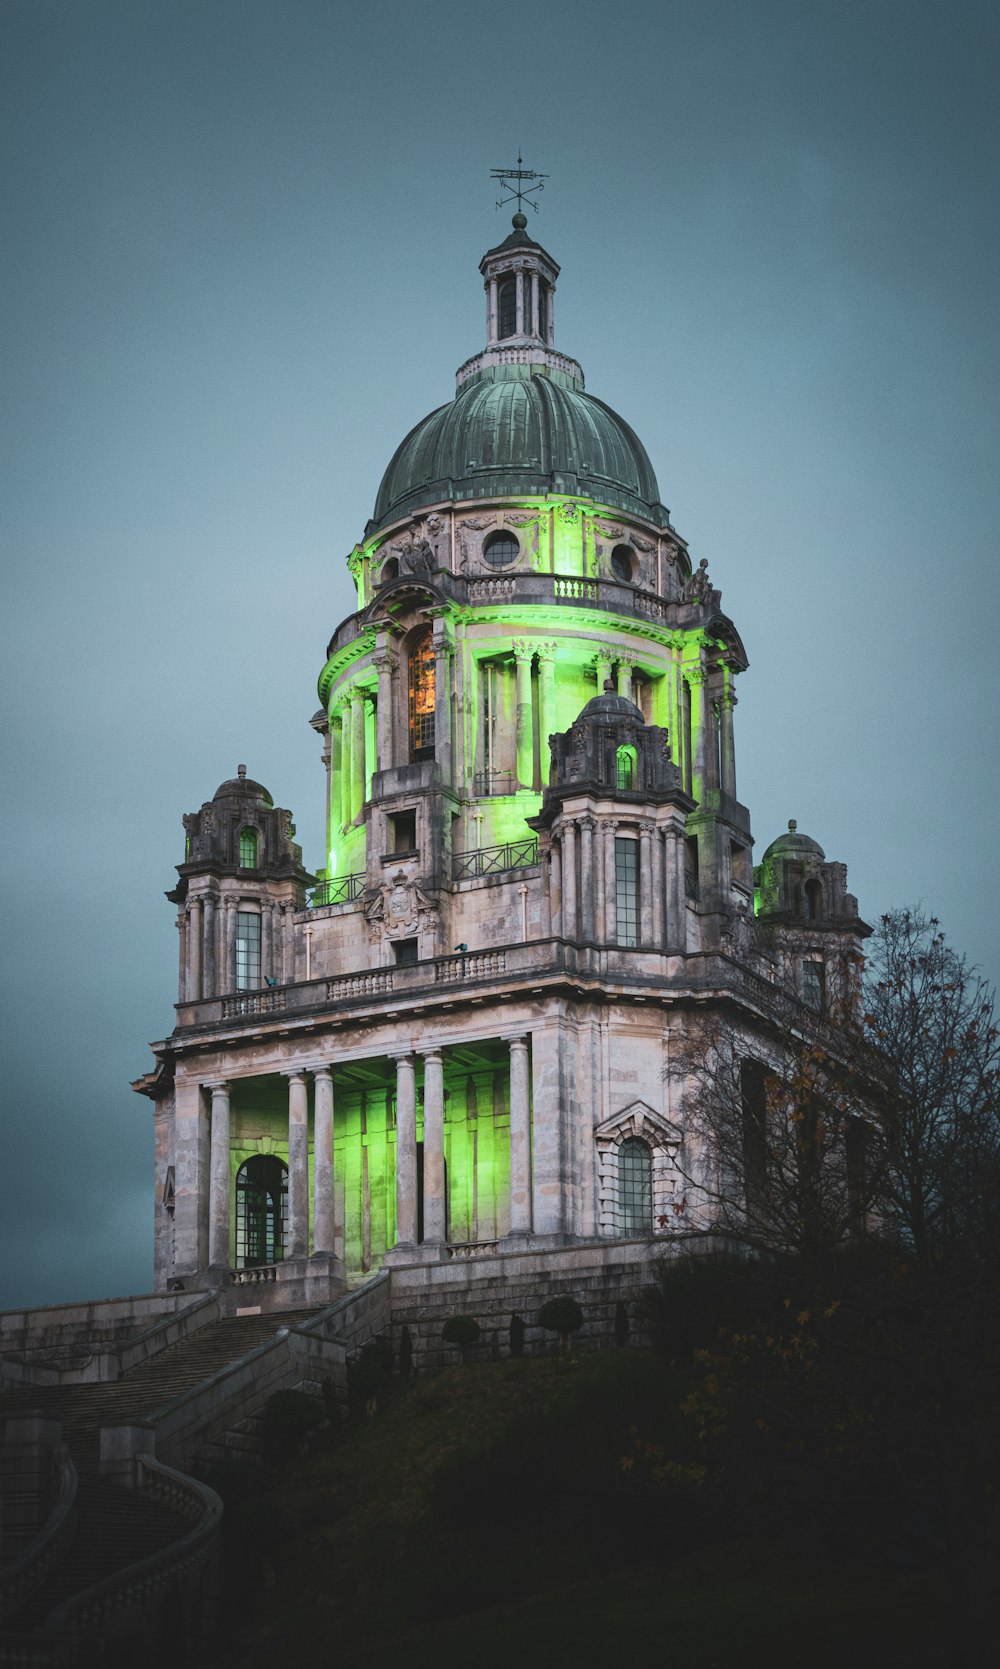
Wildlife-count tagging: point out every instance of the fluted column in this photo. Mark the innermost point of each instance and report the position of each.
(520, 1138)
(546, 705)
(588, 927)
(645, 934)
(434, 1197)
(406, 1152)
(610, 902)
(345, 762)
(442, 708)
(195, 947)
(555, 888)
(228, 980)
(675, 926)
(624, 674)
(696, 676)
(298, 1165)
(267, 942)
(209, 976)
(183, 982)
(323, 1213)
(334, 789)
(728, 747)
(656, 859)
(357, 752)
(569, 928)
(385, 665)
(218, 1192)
(525, 729)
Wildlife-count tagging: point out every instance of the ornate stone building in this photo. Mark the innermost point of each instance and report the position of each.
(458, 1038)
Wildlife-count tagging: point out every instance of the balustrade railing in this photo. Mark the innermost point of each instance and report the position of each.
(339, 889)
(494, 860)
(268, 1001)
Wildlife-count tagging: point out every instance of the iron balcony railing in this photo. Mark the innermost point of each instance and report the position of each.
(494, 860)
(339, 889)
(486, 783)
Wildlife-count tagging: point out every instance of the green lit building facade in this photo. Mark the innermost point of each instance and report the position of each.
(457, 1038)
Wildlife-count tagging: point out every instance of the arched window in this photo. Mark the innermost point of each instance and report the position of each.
(390, 571)
(248, 848)
(421, 696)
(543, 322)
(625, 763)
(623, 563)
(507, 308)
(814, 900)
(261, 1211)
(500, 550)
(635, 1188)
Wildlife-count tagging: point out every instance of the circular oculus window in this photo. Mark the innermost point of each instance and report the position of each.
(501, 549)
(623, 563)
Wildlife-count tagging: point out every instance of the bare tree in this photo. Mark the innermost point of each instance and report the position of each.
(931, 1019)
(783, 1145)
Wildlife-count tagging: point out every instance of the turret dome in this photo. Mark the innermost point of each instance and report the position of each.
(794, 845)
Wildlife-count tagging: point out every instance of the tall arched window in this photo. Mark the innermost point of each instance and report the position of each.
(422, 696)
(507, 308)
(814, 900)
(625, 763)
(261, 1211)
(248, 848)
(635, 1188)
(543, 313)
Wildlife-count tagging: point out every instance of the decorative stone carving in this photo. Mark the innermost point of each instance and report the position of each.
(699, 586)
(396, 908)
(569, 514)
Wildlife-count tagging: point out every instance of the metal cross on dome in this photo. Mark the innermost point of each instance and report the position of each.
(512, 180)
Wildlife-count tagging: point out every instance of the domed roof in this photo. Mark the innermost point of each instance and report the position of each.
(611, 706)
(795, 845)
(517, 429)
(242, 787)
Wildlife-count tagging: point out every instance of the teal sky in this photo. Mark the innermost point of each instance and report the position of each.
(239, 260)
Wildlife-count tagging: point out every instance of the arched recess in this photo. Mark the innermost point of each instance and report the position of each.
(261, 1211)
(636, 1123)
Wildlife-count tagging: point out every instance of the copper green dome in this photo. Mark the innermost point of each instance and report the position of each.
(520, 429)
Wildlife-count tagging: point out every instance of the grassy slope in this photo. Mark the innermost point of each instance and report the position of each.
(483, 1514)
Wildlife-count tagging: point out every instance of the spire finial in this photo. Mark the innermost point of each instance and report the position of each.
(512, 180)
(792, 825)
(241, 771)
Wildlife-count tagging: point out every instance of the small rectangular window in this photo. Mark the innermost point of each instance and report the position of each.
(691, 883)
(405, 952)
(403, 826)
(627, 891)
(247, 950)
(812, 985)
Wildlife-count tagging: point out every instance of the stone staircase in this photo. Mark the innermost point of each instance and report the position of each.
(117, 1527)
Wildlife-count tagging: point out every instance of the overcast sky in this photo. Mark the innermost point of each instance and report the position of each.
(239, 248)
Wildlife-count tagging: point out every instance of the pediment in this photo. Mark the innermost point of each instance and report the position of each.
(641, 1120)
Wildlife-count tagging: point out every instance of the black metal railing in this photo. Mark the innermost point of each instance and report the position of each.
(493, 860)
(485, 783)
(339, 889)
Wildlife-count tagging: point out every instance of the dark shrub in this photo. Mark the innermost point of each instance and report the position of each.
(289, 1417)
(516, 1336)
(405, 1354)
(462, 1330)
(369, 1374)
(621, 1324)
(561, 1315)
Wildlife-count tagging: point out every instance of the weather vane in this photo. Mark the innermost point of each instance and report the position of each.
(513, 180)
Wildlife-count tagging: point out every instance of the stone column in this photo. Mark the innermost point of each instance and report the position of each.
(385, 664)
(442, 707)
(569, 929)
(406, 1152)
(195, 947)
(520, 303)
(209, 975)
(357, 751)
(228, 980)
(550, 334)
(190, 1179)
(520, 1138)
(345, 762)
(266, 942)
(546, 705)
(645, 934)
(534, 304)
(675, 926)
(555, 888)
(182, 956)
(624, 675)
(525, 730)
(491, 312)
(218, 1206)
(657, 861)
(334, 789)
(588, 927)
(728, 748)
(434, 1194)
(298, 1165)
(323, 1213)
(610, 903)
(696, 676)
